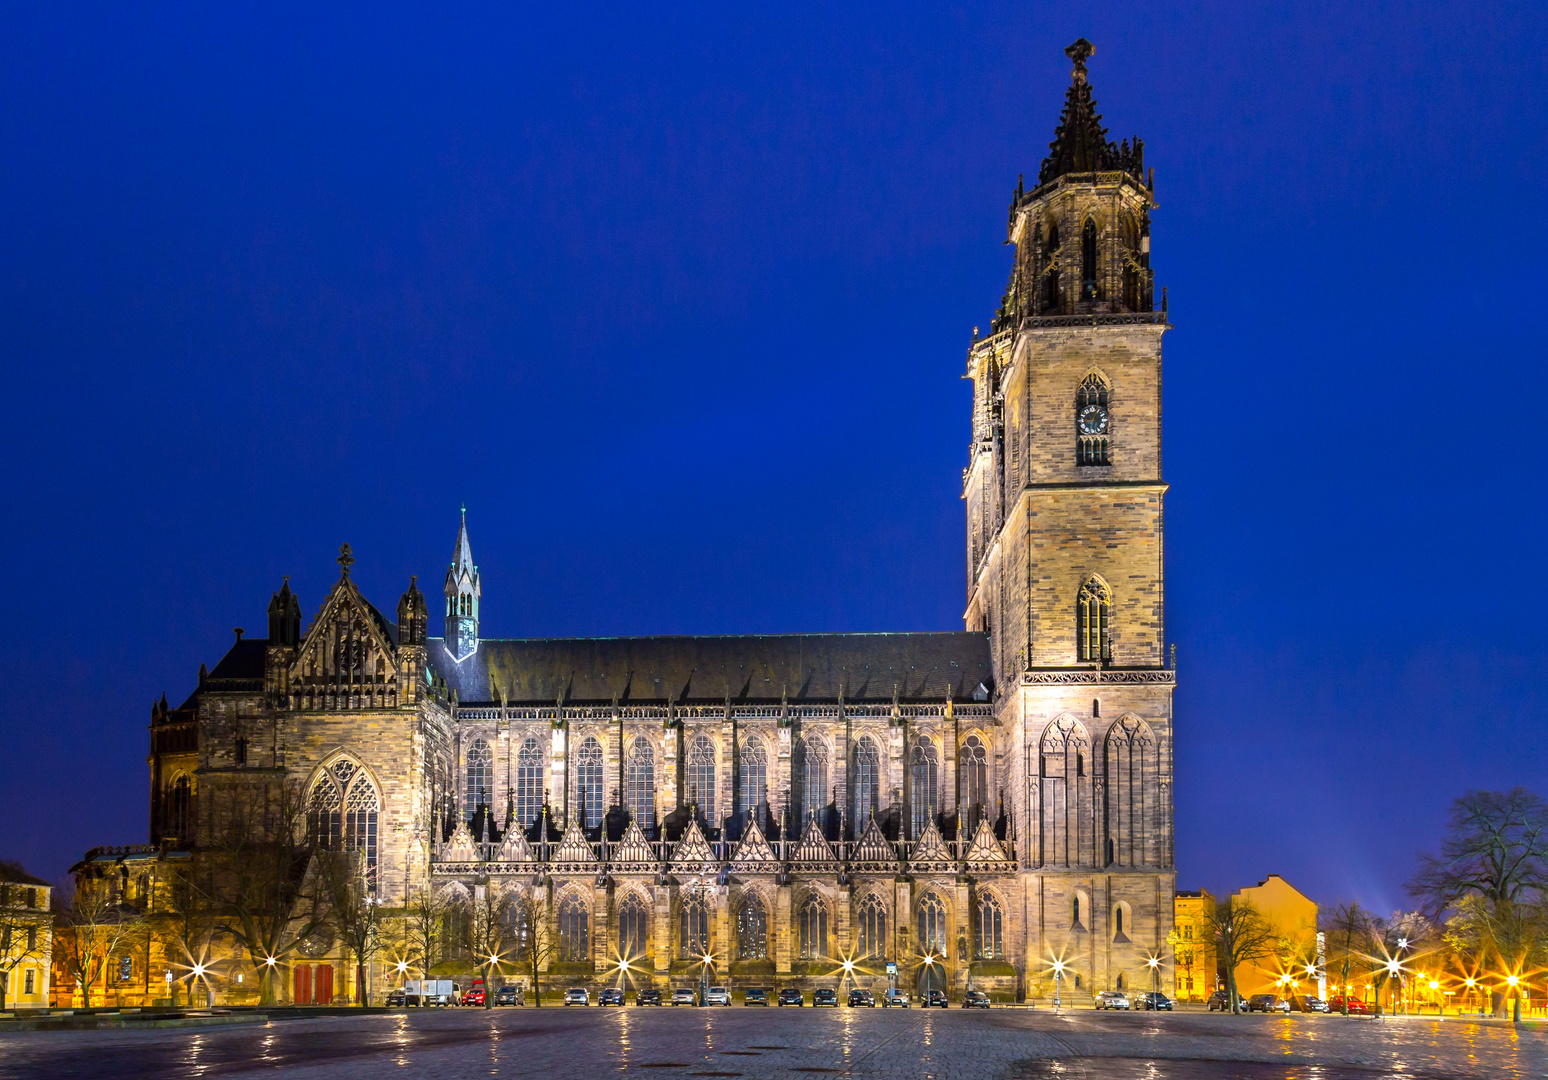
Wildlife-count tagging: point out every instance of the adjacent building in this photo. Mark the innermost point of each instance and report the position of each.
(26, 938)
(1194, 945)
(1296, 965)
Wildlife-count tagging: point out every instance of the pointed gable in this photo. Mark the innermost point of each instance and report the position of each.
(573, 848)
(692, 854)
(814, 849)
(985, 850)
(754, 853)
(634, 851)
(930, 851)
(514, 848)
(873, 847)
(347, 658)
(460, 848)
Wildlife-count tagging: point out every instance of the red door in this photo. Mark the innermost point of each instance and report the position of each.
(303, 984)
(322, 985)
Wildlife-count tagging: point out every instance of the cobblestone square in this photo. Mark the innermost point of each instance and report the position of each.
(662, 1044)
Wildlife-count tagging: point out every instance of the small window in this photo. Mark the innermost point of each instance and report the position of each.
(1075, 911)
(241, 752)
(30, 984)
(125, 968)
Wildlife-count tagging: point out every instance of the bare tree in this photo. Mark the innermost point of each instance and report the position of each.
(352, 909)
(23, 927)
(534, 941)
(1491, 878)
(260, 888)
(97, 927)
(1348, 930)
(423, 926)
(489, 933)
(1242, 935)
(185, 923)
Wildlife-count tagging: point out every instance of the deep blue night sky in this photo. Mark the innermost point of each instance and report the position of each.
(678, 304)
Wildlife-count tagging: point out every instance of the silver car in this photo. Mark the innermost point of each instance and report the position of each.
(717, 995)
(577, 995)
(1112, 999)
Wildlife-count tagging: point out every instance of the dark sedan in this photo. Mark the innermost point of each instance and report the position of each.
(933, 999)
(859, 998)
(648, 996)
(790, 996)
(825, 996)
(975, 999)
(612, 995)
(1155, 1003)
(755, 995)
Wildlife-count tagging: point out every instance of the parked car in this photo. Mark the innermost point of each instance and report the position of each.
(717, 995)
(975, 999)
(396, 998)
(648, 996)
(474, 995)
(1220, 1001)
(684, 995)
(577, 995)
(755, 995)
(1350, 1006)
(1112, 999)
(895, 997)
(612, 995)
(933, 999)
(825, 996)
(1267, 1003)
(510, 994)
(791, 996)
(1313, 1004)
(860, 998)
(1153, 1002)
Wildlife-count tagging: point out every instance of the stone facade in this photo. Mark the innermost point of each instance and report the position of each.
(943, 809)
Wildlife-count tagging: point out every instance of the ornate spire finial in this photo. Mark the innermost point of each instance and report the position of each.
(346, 558)
(1079, 53)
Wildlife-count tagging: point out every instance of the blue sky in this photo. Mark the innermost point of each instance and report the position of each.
(678, 302)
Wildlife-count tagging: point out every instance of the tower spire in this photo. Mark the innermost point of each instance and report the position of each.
(463, 593)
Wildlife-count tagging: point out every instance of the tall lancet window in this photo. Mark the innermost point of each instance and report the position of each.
(1091, 620)
(867, 779)
(530, 767)
(1090, 288)
(588, 782)
(640, 783)
(1050, 272)
(924, 773)
(701, 775)
(480, 777)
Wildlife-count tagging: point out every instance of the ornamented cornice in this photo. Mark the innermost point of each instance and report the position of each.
(1097, 677)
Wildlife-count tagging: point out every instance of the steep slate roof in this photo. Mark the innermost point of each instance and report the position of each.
(244, 660)
(744, 667)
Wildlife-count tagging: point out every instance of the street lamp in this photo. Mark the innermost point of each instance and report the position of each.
(849, 976)
(1154, 963)
(1058, 970)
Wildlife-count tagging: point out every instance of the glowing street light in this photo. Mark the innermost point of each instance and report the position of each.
(1058, 970)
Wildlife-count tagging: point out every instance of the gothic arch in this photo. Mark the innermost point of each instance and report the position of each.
(1132, 773)
(1121, 922)
(1093, 619)
(1065, 799)
(344, 807)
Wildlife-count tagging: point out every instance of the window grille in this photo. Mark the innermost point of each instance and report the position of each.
(811, 768)
(754, 792)
(988, 930)
(1092, 612)
(530, 767)
(588, 782)
(701, 775)
(867, 770)
(932, 925)
(813, 928)
(752, 930)
(640, 783)
(694, 940)
(924, 770)
(480, 778)
(633, 928)
(574, 940)
(973, 765)
(872, 922)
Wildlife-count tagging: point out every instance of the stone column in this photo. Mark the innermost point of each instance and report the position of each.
(559, 773)
(601, 955)
(961, 933)
(720, 937)
(782, 930)
(661, 932)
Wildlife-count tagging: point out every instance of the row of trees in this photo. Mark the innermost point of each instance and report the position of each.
(265, 888)
(1484, 913)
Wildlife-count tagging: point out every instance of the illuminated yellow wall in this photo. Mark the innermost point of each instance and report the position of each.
(1294, 918)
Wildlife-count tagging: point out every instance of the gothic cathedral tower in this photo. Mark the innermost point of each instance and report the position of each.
(1064, 526)
(463, 593)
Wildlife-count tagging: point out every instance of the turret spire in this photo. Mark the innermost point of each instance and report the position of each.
(463, 593)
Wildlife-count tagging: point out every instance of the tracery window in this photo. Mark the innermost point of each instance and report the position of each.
(813, 926)
(640, 782)
(1132, 254)
(1090, 289)
(588, 782)
(988, 937)
(932, 925)
(633, 923)
(693, 938)
(871, 920)
(1093, 423)
(924, 770)
(973, 766)
(530, 767)
(180, 808)
(754, 792)
(342, 813)
(574, 939)
(752, 930)
(867, 770)
(1050, 271)
(701, 775)
(810, 759)
(1092, 610)
(479, 791)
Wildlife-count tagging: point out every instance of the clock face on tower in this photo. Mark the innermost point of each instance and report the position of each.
(1092, 420)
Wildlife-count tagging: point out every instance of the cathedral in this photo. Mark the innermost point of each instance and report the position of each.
(947, 810)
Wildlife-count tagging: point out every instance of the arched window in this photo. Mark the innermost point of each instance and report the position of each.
(813, 928)
(973, 765)
(180, 808)
(1090, 288)
(1093, 423)
(456, 930)
(1121, 925)
(1092, 610)
(588, 782)
(694, 939)
(932, 925)
(530, 767)
(752, 930)
(923, 769)
(574, 941)
(701, 775)
(867, 770)
(754, 792)
(872, 922)
(633, 927)
(342, 813)
(1132, 254)
(480, 787)
(1075, 912)
(1051, 271)
(640, 782)
(810, 757)
(988, 935)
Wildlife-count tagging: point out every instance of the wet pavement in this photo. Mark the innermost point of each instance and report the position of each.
(659, 1044)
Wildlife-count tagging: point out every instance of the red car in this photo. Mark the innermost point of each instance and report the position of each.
(473, 996)
(1349, 1006)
